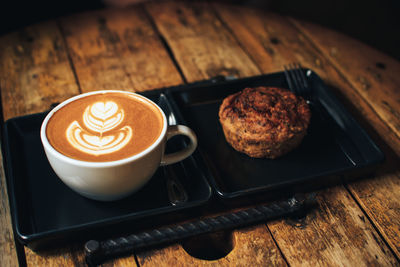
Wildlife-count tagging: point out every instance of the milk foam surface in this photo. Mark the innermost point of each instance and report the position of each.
(104, 127)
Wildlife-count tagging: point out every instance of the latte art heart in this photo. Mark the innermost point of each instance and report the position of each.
(101, 117)
(98, 119)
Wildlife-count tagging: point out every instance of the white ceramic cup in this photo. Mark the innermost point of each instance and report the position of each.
(114, 180)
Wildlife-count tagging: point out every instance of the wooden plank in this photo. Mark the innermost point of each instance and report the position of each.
(373, 74)
(70, 256)
(54, 257)
(272, 41)
(202, 46)
(8, 254)
(118, 49)
(203, 49)
(375, 77)
(379, 197)
(336, 234)
(34, 73)
(249, 247)
(34, 70)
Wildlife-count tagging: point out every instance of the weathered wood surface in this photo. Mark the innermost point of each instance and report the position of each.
(203, 48)
(167, 43)
(118, 49)
(201, 44)
(35, 70)
(371, 73)
(8, 254)
(267, 37)
(253, 245)
(34, 73)
(375, 78)
(337, 233)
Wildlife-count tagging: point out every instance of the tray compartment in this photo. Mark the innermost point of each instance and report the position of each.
(44, 208)
(235, 174)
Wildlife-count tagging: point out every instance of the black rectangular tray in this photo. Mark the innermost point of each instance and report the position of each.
(318, 157)
(45, 210)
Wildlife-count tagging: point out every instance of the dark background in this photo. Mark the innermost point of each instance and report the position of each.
(374, 22)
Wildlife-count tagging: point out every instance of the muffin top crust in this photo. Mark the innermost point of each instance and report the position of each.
(266, 110)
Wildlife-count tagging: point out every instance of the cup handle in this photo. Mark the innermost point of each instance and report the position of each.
(184, 153)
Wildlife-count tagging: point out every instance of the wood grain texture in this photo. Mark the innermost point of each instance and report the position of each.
(336, 234)
(379, 197)
(373, 74)
(118, 49)
(8, 255)
(203, 49)
(252, 246)
(56, 257)
(34, 70)
(202, 46)
(273, 41)
(375, 77)
(34, 73)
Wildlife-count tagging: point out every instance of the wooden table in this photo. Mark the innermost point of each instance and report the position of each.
(171, 43)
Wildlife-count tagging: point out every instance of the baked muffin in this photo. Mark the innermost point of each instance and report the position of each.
(264, 122)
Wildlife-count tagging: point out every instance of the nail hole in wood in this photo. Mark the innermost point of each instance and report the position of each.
(275, 40)
(380, 65)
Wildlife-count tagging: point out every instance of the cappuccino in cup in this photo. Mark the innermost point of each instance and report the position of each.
(106, 145)
(104, 127)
